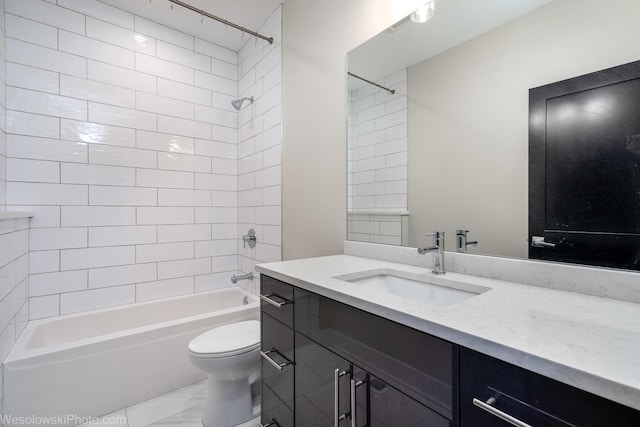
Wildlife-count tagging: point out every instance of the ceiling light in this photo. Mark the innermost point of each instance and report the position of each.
(424, 13)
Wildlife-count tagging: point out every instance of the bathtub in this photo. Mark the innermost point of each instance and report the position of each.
(94, 363)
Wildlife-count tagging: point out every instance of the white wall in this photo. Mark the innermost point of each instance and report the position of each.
(468, 116)
(317, 37)
(122, 139)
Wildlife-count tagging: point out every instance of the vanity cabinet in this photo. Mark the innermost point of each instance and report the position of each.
(325, 361)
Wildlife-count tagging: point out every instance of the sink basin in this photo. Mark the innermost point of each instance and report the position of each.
(436, 290)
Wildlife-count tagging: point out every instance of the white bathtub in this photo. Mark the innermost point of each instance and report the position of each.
(91, 364)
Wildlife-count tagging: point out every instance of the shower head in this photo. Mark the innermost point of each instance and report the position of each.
(237, 103)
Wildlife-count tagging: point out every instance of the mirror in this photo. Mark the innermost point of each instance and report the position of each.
(449, 149)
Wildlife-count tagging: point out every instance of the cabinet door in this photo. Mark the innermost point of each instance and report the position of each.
(389, 407)
(415, 363)
(322, 381)
(490, 388)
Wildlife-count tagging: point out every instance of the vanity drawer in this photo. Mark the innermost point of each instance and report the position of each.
(277, 358)
(277, 299)
(274, 411)
(536, 400)
(417, 364)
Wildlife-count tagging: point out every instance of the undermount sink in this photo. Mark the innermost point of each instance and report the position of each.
(435, 290)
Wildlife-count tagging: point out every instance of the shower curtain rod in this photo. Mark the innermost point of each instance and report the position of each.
(224, 21)
(392, 91)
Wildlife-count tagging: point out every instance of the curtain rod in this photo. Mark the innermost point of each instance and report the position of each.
(224, 21)
(392, 91)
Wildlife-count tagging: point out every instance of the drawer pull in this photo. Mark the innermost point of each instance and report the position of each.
(278, 366)
(267, 298)
(271, 424)
(355, 384)
(486, 406)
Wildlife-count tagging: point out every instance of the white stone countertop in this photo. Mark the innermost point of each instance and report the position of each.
(589, 342)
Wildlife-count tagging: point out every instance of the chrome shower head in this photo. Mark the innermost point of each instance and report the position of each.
(237, 103)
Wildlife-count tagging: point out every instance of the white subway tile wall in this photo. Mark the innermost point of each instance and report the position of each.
(377, 146)
(386, 229)
(3, 126)
(14, 281)
(121, 137)
(377, 161)
(259, 172)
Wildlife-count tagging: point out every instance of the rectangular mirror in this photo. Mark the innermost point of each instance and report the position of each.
(448, 150)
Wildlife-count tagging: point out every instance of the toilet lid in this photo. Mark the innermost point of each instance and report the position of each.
(226, 340)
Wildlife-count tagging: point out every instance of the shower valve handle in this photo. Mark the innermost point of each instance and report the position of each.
(250, 238)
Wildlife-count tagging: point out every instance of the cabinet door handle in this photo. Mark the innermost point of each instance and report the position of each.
(486, 406)
(278, 366)
(538, 242)
(272, 423)
(355, 384)
(267, 298)
(337, 374)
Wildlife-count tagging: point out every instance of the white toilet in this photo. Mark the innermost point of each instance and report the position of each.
(230, 355)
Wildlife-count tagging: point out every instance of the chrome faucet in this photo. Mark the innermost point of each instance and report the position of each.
(438, 251)
(248, 276)
(462, 241)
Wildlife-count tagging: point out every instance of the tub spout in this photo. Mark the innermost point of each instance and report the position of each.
(248, 276)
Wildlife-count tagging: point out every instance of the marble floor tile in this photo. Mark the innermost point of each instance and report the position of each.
(252, 423)
(190, 418)
(159, 408)
(181, 408)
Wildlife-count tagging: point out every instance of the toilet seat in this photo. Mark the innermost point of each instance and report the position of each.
(227, 340)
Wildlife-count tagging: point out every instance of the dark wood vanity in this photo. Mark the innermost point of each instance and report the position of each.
(326, 363)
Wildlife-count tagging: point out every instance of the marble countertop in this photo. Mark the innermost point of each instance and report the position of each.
(589, 342)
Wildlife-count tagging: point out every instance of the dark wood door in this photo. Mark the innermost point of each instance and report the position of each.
(584, 169)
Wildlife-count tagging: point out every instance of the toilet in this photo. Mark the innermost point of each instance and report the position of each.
(230, 355)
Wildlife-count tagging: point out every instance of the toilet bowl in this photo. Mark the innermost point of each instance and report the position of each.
(230, 355)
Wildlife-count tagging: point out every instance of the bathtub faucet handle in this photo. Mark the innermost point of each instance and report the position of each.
(250, 238)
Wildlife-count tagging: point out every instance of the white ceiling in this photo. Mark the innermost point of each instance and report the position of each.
(454, 22)
(250, 14)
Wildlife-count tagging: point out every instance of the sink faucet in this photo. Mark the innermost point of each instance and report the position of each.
(438, 251)
(462, 241)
